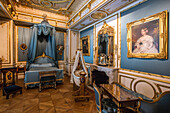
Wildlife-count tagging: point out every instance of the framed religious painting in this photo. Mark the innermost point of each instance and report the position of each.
(85, 45)
(148, 37)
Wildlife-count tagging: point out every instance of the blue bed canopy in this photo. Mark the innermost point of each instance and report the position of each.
(42, 41)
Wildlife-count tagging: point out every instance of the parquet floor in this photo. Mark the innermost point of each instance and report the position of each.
(47, 101)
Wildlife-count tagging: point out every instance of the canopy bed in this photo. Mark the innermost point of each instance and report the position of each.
(41, 53)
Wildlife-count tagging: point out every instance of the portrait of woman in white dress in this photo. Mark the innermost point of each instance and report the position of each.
(145, 37)
(145, 44)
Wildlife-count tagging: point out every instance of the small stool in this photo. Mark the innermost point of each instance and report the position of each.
(47, 78)
(11, 90)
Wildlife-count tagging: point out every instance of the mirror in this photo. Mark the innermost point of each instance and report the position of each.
(105, 46)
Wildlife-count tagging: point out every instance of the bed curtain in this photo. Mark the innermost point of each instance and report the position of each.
(49, 32)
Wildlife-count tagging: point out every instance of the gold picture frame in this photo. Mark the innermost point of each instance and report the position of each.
(85, 45)
(148, 37)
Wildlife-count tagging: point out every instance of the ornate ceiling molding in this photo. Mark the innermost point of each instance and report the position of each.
(30, 19)
(98, 15)
(57, 6)
(8, 8)
(100, 10)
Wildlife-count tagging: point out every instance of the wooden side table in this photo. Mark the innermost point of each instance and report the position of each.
(20, 70)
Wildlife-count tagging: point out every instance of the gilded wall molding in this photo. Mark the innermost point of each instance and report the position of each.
(8, 42)
(153, 86)
(85, 7)
(151, 74)
(34, 18)
(147, 77)
(123, 76)
(159, 87)
(146, 82)
(119, 41)
(9, 7)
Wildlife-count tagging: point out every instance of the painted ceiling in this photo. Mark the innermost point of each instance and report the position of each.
(64, 7)
(106, 9)
(78, 13)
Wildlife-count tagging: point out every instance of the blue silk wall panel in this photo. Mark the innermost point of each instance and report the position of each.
(89, 31)
(23, 37)
(145, 9)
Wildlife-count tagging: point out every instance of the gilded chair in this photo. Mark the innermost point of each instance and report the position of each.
(103, 105)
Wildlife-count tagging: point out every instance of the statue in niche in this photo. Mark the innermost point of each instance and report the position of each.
(44, 18)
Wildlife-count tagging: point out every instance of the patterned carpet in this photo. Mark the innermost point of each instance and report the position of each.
(47, 101)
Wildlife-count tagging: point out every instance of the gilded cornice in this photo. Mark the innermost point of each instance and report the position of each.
(9, 7)
(104, 9)
(35, 19)
(58, 7)
(86, 6)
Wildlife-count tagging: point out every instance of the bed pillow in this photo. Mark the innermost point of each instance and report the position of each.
(34, 65)
(47, 65)
(43, 60)
(42, 65)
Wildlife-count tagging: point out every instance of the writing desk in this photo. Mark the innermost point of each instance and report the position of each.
(123, 99)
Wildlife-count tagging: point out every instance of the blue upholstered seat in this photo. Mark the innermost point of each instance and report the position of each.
(160, 105)
(12, 88)
(45, 78)
(103, 105)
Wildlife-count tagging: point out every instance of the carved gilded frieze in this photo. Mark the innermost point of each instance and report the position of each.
(25, 17)
(59, 6)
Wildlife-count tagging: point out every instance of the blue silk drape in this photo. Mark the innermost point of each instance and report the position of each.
(45, 29)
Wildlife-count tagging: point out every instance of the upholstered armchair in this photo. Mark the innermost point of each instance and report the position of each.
(103, 105)
(159, 105)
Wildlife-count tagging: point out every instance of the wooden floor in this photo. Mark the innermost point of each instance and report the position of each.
(47, 101)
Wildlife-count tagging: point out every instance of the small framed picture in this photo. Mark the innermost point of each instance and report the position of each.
(85, 45)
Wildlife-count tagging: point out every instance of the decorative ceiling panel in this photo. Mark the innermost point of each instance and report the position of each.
(115, 5)
(103, 11)
(63, 7)
(52, 4)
